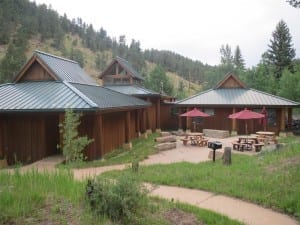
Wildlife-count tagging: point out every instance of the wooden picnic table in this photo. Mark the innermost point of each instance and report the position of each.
(247, 143)
(266, 136)
(195, 138)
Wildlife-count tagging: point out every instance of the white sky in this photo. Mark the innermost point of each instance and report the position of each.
(193, 28)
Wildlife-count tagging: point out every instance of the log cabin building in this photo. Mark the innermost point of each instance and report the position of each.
(120, 76)
(32, 107)
(232, 95)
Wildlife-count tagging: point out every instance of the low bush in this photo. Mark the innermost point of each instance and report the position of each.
(121, 200)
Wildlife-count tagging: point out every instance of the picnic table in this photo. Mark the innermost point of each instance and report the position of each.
(247, 143)
(195, 138)
(266, 136)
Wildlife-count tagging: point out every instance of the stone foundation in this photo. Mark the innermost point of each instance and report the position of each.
(127, 146)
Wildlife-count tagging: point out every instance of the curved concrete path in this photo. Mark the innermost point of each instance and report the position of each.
(246, 212)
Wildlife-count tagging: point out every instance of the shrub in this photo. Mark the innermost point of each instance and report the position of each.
(121, 200)
(73, 145)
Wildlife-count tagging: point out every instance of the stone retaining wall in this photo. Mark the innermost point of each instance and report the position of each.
(216, 133)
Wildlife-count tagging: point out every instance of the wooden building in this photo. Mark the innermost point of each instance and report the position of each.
(120, 76)
(32, 107)
(229, 96)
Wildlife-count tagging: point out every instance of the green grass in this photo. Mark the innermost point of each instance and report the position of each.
(44, 198)
(271, 179)
(141, 149)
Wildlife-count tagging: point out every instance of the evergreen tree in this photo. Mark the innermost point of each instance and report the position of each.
(158, 81)
(238, 60)
(294, 3)
(290, 84)
(77, 56)
(226, 55)
(73, 144)
(14, 58)
(181, 94)
(281, 52)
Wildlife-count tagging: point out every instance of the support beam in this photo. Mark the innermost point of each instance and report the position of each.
(61, 118)
(179, 118)
(158, 113)
(233, 121)
(290, 118)
(282, 120)
(99, 151)
(127, 144)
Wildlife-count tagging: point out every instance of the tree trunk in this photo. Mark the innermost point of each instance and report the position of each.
(227, 156)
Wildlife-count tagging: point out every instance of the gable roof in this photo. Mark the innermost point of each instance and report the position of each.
(59, 68)
(60, 95)
(236, 97)
(133, 90)
(125, 65)
(230, 81)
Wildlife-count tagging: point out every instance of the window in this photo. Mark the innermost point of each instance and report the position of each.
(210, 112)
(272, 121)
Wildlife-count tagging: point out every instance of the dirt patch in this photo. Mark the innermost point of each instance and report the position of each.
(284, 163)
(54, 212)
(178, 217)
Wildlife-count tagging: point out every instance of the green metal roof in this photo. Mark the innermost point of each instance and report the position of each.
(132, 90)
(65, 69)
(106, 98)
(58, 96)
(236, 96)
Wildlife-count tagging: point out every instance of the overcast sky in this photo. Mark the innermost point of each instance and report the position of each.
(193, 28)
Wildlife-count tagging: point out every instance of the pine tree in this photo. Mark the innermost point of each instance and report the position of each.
(281, 52)
(73, 144)
(158, 81)
(238, 60)
(294, 3)
(14, 58)
(226, 55)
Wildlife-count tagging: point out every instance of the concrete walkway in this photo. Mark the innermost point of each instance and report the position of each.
(248, 213)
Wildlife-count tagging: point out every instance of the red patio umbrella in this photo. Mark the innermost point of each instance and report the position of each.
(194, 113)
(246, 115)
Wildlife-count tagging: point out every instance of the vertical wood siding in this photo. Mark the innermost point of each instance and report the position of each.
(28, 138)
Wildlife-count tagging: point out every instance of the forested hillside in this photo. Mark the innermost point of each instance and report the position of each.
(26, 26)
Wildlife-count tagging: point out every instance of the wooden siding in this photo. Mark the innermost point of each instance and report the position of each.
(36, 73)
(168, 117)
(33, 136)
(28, 138)
(133, 124)
(114, 130)
(220, 121)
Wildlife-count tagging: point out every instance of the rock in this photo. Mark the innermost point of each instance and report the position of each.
(165, 146)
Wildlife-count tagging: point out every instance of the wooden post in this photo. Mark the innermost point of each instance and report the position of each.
(188, 121)
(127, 144)
(61, 118)
(138, 121)
(127, 126)
(227, 156)
(158, 113)
(233, 123)
(290, 113)
(282, 120)
(98, 150)
(179, 118)
(143, 120)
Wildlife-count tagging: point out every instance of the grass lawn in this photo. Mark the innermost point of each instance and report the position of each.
(271, 179)
(36, 198)
(141, 149)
